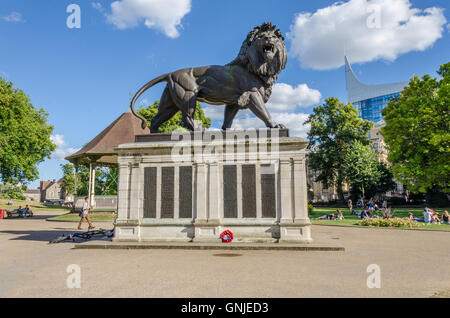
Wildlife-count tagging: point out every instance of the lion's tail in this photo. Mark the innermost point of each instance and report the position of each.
(162, 78)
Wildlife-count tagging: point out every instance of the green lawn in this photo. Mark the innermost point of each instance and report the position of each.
(75, 217)
(34, 206)
(444, 294)
(350, 220)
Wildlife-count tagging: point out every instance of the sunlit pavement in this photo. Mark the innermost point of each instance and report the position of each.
(412, 264)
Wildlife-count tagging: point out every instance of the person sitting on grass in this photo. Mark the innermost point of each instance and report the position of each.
(385, 205)
(365, 213)
(84, 214)
(340, 215)
(435, 218)
(431, 217)
(371, 205)
(445, 217)
(27, 211)
(360, 203)
(20, 211)
(413, 218)
(427, 216)
(376, 208)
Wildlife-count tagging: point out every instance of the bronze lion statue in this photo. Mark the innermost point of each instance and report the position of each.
(244, 83)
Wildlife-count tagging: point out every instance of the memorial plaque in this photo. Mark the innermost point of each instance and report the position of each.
(230, 191)
(167, 192)
(268, 195)
(249, 191)
(185, 193)
(150, 193)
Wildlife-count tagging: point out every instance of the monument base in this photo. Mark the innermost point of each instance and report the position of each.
(197, 185)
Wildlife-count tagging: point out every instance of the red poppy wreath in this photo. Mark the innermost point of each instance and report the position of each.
(227, 236)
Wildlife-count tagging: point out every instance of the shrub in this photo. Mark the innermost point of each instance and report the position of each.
(394, 222)
(310, 208)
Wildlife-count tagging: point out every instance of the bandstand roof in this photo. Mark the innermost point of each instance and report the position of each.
(100, 150)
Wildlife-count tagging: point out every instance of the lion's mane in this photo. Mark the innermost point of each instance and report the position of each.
(250, 55)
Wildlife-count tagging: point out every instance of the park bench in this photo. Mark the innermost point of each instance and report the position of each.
(16, 214)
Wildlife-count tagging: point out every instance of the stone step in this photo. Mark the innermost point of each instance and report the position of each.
(209, 246)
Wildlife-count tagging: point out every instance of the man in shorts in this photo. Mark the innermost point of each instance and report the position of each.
(84, 214)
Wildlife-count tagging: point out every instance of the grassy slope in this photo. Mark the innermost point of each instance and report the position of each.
(75, 217)
(34, 206)
(350, 220)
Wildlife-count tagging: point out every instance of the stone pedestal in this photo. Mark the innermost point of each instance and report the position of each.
(194, 186)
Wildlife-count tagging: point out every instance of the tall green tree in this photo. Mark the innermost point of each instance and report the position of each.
(175, 123)
(334, 126)
(417, 133)
(105, 180)
(68, 179)
(24, 136)
(365, 175)
(110, 180)
(385, 182)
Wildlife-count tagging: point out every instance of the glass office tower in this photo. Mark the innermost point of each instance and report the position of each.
(370, 100)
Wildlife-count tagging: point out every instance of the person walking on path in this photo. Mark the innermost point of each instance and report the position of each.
(84, 214)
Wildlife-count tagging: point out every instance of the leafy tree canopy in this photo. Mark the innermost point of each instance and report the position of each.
(9, 191)
(24, 136)
(366, 176)
(417, 133)
(105, 180)
(175, 123)
(334, 126)
(68, 179)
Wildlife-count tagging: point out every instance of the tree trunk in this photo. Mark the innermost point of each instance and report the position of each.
(340, 191)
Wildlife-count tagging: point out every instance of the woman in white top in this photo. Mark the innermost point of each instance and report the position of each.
(427, 216)
(84, 214)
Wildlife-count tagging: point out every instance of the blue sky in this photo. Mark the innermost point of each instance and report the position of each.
(84, 77)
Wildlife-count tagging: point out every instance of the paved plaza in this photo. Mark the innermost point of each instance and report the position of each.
(412, 263)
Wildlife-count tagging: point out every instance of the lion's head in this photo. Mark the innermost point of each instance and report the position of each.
(264, 53)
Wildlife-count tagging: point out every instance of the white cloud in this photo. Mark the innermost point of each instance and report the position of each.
(98, 6)
(60, 154)
(58, 140)
(13, 17)
(214, 112)
(293, 121)
(284, 102)
(282, 105)
(354, 28)
(163, 15)
(287, 98)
